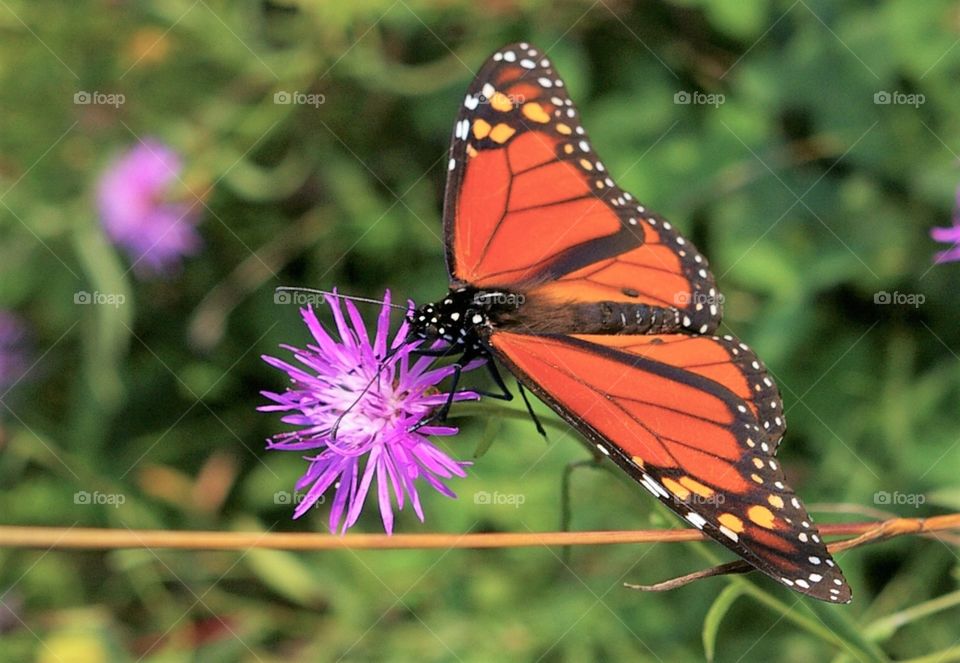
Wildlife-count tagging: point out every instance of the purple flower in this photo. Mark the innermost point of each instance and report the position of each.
(154, 231)
(337, 386)
(13, 362)
(950, 236)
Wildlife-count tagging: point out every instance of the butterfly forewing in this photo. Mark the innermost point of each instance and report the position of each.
(530, 206)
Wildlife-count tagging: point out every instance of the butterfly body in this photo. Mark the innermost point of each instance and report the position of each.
(465, 310)
(610, 316)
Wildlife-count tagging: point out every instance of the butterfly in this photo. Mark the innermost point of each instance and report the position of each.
(601, 308)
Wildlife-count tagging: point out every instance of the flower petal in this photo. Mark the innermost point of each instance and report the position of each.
(354, 404)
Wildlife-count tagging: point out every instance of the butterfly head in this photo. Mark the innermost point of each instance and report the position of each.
(456, 319)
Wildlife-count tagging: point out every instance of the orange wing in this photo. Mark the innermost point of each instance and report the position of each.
(695, 420)
(530, 207)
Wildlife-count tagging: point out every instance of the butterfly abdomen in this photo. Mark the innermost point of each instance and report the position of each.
(607, 317)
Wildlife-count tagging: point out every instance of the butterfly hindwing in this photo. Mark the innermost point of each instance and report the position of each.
(677, 413)
(530, 205)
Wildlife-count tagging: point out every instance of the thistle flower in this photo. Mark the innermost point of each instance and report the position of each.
(950, 236)
(354, 402)
(154, 231)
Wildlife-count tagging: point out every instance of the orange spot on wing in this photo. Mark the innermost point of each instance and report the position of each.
(534, 111)
(697, 487)
(731, 521)
(675, 488)
(501, 102)
(761, 515)
(481, 128)
(501, 133)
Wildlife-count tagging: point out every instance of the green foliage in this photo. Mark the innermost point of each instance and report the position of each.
(718, 610)
(808, 198)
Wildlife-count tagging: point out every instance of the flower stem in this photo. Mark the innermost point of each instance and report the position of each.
(108, 539)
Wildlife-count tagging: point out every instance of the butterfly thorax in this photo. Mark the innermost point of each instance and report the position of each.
(463, 316)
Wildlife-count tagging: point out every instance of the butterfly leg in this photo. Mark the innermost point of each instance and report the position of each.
(507, 396)
(533, 415)
(504, 395)
(440, 414)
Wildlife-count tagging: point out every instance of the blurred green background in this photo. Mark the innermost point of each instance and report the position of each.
(808, 196)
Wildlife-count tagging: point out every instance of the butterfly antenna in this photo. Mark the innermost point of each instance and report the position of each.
(314, 291)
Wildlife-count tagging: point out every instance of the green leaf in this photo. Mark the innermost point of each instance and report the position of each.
(718, 610)
(490, 433)
(286, 574)
(945, 497)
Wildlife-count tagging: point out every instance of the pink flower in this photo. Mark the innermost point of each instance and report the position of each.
(154, 231)
(355, 403)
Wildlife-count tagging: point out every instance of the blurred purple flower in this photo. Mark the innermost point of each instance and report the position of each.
(338, 382)
(154, 231)
(13, 361)
(949, 235)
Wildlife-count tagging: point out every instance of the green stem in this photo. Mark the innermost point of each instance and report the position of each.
(943, 656)
(885, 627)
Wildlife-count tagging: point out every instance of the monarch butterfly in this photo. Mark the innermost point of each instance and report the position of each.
(604, 311)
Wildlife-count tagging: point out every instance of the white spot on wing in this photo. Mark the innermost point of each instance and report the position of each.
(696, 520)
